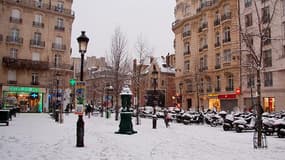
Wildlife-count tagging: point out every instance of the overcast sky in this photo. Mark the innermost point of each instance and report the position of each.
(150, 18)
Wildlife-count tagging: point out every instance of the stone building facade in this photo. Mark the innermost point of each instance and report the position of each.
(35, 38)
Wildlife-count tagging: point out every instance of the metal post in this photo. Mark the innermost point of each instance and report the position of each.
(80, 122)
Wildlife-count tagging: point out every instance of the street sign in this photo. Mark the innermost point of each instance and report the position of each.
(80, 97)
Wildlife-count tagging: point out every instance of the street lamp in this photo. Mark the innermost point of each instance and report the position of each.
(109, 89)
(83, 42)
(154, 77)
(58, 101)
(180, 94)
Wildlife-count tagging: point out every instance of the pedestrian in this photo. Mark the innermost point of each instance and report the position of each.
(166, 118)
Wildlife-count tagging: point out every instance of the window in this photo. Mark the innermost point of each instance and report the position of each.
(218, 61)
(217, 39)
(186, 66)
(162, 82)
(283, 6)
(16, 14)
(227, 34)
(201, 64)
(209, 85)
(38, 18)
(187, 10)
(250, 81)
(15, 33)
(227, 56)
(267, 36)
(189, 86)
(38, 3)
(248, 20)
(59, 7)
(35, 56)
(13, 53)
(267, 59)
(265, 14)
(57, 60)
(37, 37)
(35, 78)
(230, 80)
(12, 75)
(283, 27)
(268, 79)
(205, 64)
(58, 40)
(218, 83)
(59, 22)
(186, 48)
(247, 3)
(186, 30)
(201, 85)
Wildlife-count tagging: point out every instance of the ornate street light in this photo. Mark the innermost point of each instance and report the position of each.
(154, 77)
(83, 42)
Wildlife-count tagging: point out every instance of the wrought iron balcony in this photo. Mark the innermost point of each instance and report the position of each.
(58, 47)
(229, 88)
(14, 40)
(217, 89)
(63, 66)
(218, 66)
(16, 20)
(186, 34)
(37, 43)
(59, 28)
(226, 40)
(35, 83)
(12, 82)
(16, 63)
(38, 24)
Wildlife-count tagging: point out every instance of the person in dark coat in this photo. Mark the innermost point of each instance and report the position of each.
(166, 118)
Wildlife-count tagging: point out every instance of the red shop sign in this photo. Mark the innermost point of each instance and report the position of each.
(227, 96)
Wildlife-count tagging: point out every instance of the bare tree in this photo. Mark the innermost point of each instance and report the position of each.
(120, 64)
(143, 52)
(254, 41)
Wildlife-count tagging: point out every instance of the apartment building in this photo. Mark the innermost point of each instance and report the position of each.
(207, 54)
(35, 37)
(272, 66)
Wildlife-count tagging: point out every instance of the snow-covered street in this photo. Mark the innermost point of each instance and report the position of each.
(38, 137)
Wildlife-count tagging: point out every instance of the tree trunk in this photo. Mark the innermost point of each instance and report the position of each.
(259, 110)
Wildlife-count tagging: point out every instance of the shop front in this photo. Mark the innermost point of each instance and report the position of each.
(269, 104)
(214, 102)
(228, 102)
(28, 99)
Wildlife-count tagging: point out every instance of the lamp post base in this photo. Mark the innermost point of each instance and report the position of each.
(154, 119)
(126, 126)
(80, 132)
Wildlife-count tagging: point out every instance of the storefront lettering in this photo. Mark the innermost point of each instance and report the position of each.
(23, 89)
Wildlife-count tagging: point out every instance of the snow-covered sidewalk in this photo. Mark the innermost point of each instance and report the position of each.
(38, 137)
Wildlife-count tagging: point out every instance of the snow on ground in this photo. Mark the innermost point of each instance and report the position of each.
(38, 137)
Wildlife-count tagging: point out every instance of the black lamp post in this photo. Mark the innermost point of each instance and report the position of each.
(83, 42)
(154, 77)
(108, 89)
(180, 94)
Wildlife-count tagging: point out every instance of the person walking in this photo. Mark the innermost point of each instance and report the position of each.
(166, 118)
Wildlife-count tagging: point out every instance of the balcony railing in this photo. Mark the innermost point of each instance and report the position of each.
(59, 28)
(16, 20)
(16, 63)
(226, 16)
(43, 6)
(58, 47)
(217, 89)
(218, 66)
(186, 34)
(14, 40)
(54, 65)
(229, 88)
(38, 24)
(217, 22)
(35, 83)
(12, 82)
(226, 40)
(203, 26)
(37, 43)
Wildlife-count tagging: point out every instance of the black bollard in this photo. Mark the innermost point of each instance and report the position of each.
(80, 132)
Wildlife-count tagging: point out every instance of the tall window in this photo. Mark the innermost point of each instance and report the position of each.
(186, 66)
(186, 48)
(227, 34)
(57, 60)
(12, 75)
(16, 14)
(37, 37)
(267, 36)
(217, 39)
(13, 52)
(189, 86)
(35, 56)
(39, 3)
(247, 3)
(58, 40)
(35, 78)
(267, 60)
(227, 56)
(268, 79)
(230, 80)
(265, 14)
(248, 20)
(250, 81)
(201, 63)
(209, 85)
(186, 28)
(218, 83)
(59, 7)
(218, 61)
(205, 67)
(15, 34)
(38, 18)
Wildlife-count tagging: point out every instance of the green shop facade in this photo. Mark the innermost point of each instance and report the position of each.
(28, 99)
